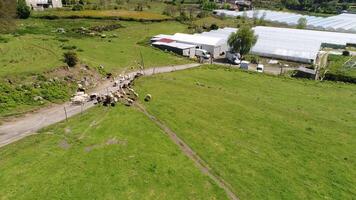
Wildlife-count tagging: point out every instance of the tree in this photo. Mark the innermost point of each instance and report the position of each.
(243, 40)
(23, 11)
(302, 23)
(7, 15)
(71, 58)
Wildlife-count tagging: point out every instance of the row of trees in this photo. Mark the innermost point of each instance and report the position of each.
(324, 6)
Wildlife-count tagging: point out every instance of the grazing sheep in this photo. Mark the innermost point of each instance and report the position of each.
(148, 97)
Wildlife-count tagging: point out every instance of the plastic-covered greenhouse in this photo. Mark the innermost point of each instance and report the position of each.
(340, 23)
(282, 43)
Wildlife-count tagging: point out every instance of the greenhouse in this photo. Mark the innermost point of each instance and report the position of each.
(281, 43)
(339, 23)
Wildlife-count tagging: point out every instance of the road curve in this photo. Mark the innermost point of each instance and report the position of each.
(32, 122)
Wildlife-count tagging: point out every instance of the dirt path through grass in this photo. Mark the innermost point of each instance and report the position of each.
(19, 128)
(201, 164)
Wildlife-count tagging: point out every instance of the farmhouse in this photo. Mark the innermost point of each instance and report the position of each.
(42, 4)
(280, 43)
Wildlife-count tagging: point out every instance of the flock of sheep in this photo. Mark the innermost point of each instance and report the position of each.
(121, 92)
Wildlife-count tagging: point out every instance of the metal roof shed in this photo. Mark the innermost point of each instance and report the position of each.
(215, 46)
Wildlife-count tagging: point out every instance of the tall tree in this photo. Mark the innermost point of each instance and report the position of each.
(302, 23)
(7, 15)
(243, 40)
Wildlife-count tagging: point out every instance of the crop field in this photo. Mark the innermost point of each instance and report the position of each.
(102, 154)
(269, 137)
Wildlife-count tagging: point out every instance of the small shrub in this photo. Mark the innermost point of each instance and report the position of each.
(71, 58)
(22, 10)
(346, 53)
(4, 40)
(214, 27)
(252, 58)
(77, 7)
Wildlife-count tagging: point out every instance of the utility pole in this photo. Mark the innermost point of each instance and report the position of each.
(65, 112)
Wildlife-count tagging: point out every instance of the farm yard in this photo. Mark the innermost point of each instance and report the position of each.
(116, 99)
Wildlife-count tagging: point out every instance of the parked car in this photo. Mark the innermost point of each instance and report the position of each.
(260, 68)
(202, 53)
(233, 58)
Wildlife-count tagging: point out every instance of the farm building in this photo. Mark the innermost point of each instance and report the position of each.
(214, 45)
(176, 47)
(339, 23)
(281, 43)
(42, 4)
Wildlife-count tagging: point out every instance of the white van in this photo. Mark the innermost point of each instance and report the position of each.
(233, 58)
(260, 68)
(202, 53)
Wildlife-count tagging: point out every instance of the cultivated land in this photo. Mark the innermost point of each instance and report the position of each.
(106, 153)
(269, 137)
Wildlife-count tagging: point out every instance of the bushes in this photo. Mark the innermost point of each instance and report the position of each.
(346, 53)
(22, 10)
(252, 58)
(71, 58)
(15, 98)
(213, 27)
(207, 5)
(77, 7)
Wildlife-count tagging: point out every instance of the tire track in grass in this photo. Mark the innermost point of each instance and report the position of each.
(190, 153)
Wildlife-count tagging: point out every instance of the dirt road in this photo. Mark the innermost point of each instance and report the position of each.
(30, 123)
(200, 163)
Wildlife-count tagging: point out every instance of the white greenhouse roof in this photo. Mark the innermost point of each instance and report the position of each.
(340, 23)
(296, 44)
(283, 43)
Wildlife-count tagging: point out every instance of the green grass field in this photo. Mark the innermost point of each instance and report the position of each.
(39, 48)
(269, 137)
(114, 153)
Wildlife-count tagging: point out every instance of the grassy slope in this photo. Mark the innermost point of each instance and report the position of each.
(39, 49)
(143, 164)
(124, 52)
(269, 137)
